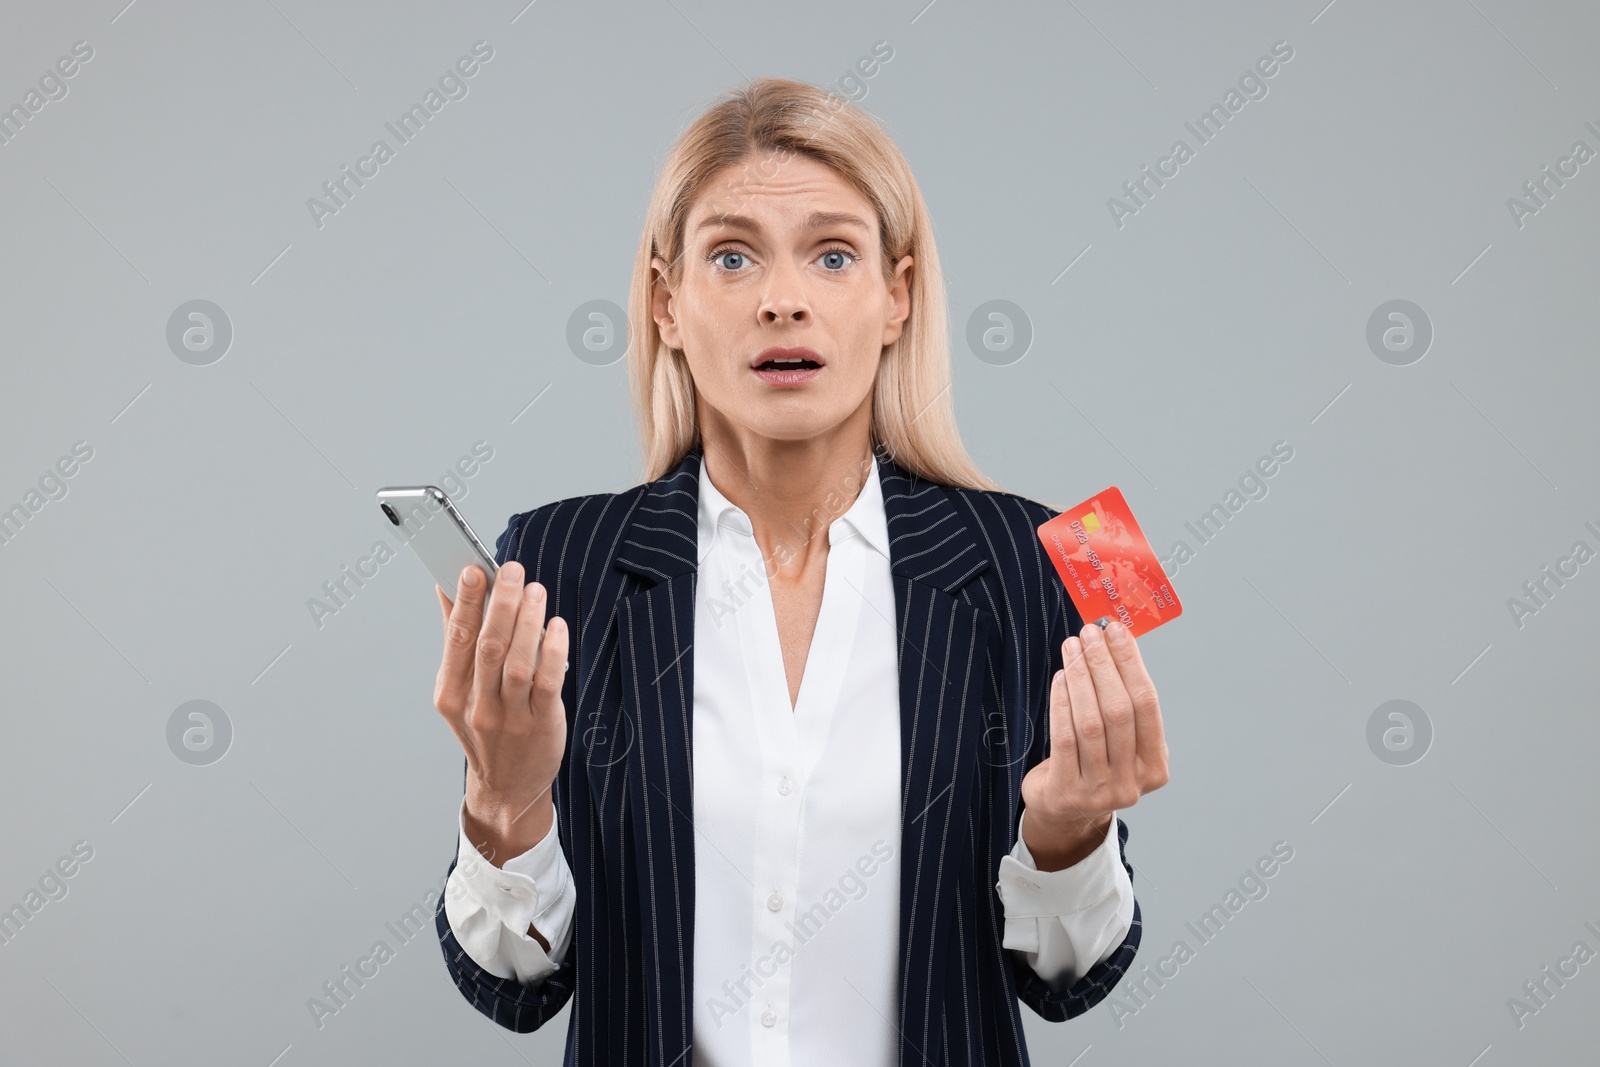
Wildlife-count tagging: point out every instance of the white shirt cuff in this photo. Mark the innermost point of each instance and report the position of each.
(490, 908)
(1066, 921)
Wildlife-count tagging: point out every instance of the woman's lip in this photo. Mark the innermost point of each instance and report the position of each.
(784, 378)
(797, 352)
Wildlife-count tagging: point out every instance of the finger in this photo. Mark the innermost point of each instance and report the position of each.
(1092, 762)
(1066, 777)
(1063, 738)
(460, 644)
(517, 676)
(1116, 708)
(1149, 733)
(552, 673)
(494, 640)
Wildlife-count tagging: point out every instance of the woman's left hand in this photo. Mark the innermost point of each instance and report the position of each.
(1107, 747)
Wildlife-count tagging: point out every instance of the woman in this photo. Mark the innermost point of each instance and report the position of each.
(814, 683)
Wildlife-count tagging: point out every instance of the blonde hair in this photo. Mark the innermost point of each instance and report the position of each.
(913, 417)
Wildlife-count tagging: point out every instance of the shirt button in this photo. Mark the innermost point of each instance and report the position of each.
(785, 786)
(774, 902)
(769, 1018)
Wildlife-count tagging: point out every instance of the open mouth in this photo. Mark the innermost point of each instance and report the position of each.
(788, 365)
(784, 366)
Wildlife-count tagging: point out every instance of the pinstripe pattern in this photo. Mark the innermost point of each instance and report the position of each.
(981, 617)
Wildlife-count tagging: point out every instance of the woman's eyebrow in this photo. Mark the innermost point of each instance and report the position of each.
(816, 220)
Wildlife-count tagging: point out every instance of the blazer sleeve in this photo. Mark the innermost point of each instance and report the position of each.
(1094, 986)
(1099, 980)
(512, 1004)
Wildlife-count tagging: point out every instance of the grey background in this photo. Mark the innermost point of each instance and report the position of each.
(1228, 314)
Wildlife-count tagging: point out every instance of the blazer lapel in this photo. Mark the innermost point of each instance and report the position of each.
(655, 636)
(944, 656)
(944, 648)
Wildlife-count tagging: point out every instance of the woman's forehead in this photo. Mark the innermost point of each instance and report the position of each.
(802, 190)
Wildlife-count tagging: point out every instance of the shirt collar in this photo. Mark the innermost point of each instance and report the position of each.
(865, 516)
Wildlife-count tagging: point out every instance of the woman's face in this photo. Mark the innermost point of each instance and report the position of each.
(782, 255)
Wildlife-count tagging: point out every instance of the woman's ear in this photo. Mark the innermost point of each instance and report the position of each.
(900, 300)
(661, 304)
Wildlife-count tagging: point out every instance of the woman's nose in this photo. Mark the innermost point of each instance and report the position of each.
(784, 300)
(783, 311)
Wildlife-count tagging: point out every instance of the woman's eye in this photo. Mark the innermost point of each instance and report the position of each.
(732, 261)
(835, 260)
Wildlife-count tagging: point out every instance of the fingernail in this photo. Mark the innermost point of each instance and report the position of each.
(469, 576)
(1091, 635)
(1116, 631)
(1074, 649)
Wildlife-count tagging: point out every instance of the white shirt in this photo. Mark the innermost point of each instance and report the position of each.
(797, 823)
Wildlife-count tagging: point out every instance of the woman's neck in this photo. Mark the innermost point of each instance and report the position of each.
(791, 490)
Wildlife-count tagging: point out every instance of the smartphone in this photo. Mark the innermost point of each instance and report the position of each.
(431, 525)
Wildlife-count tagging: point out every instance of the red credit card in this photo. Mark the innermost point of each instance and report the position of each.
(1108, 566)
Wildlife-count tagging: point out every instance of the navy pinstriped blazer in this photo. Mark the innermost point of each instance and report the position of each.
(981, 619)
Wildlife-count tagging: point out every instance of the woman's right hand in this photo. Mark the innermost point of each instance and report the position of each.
(505, 709)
